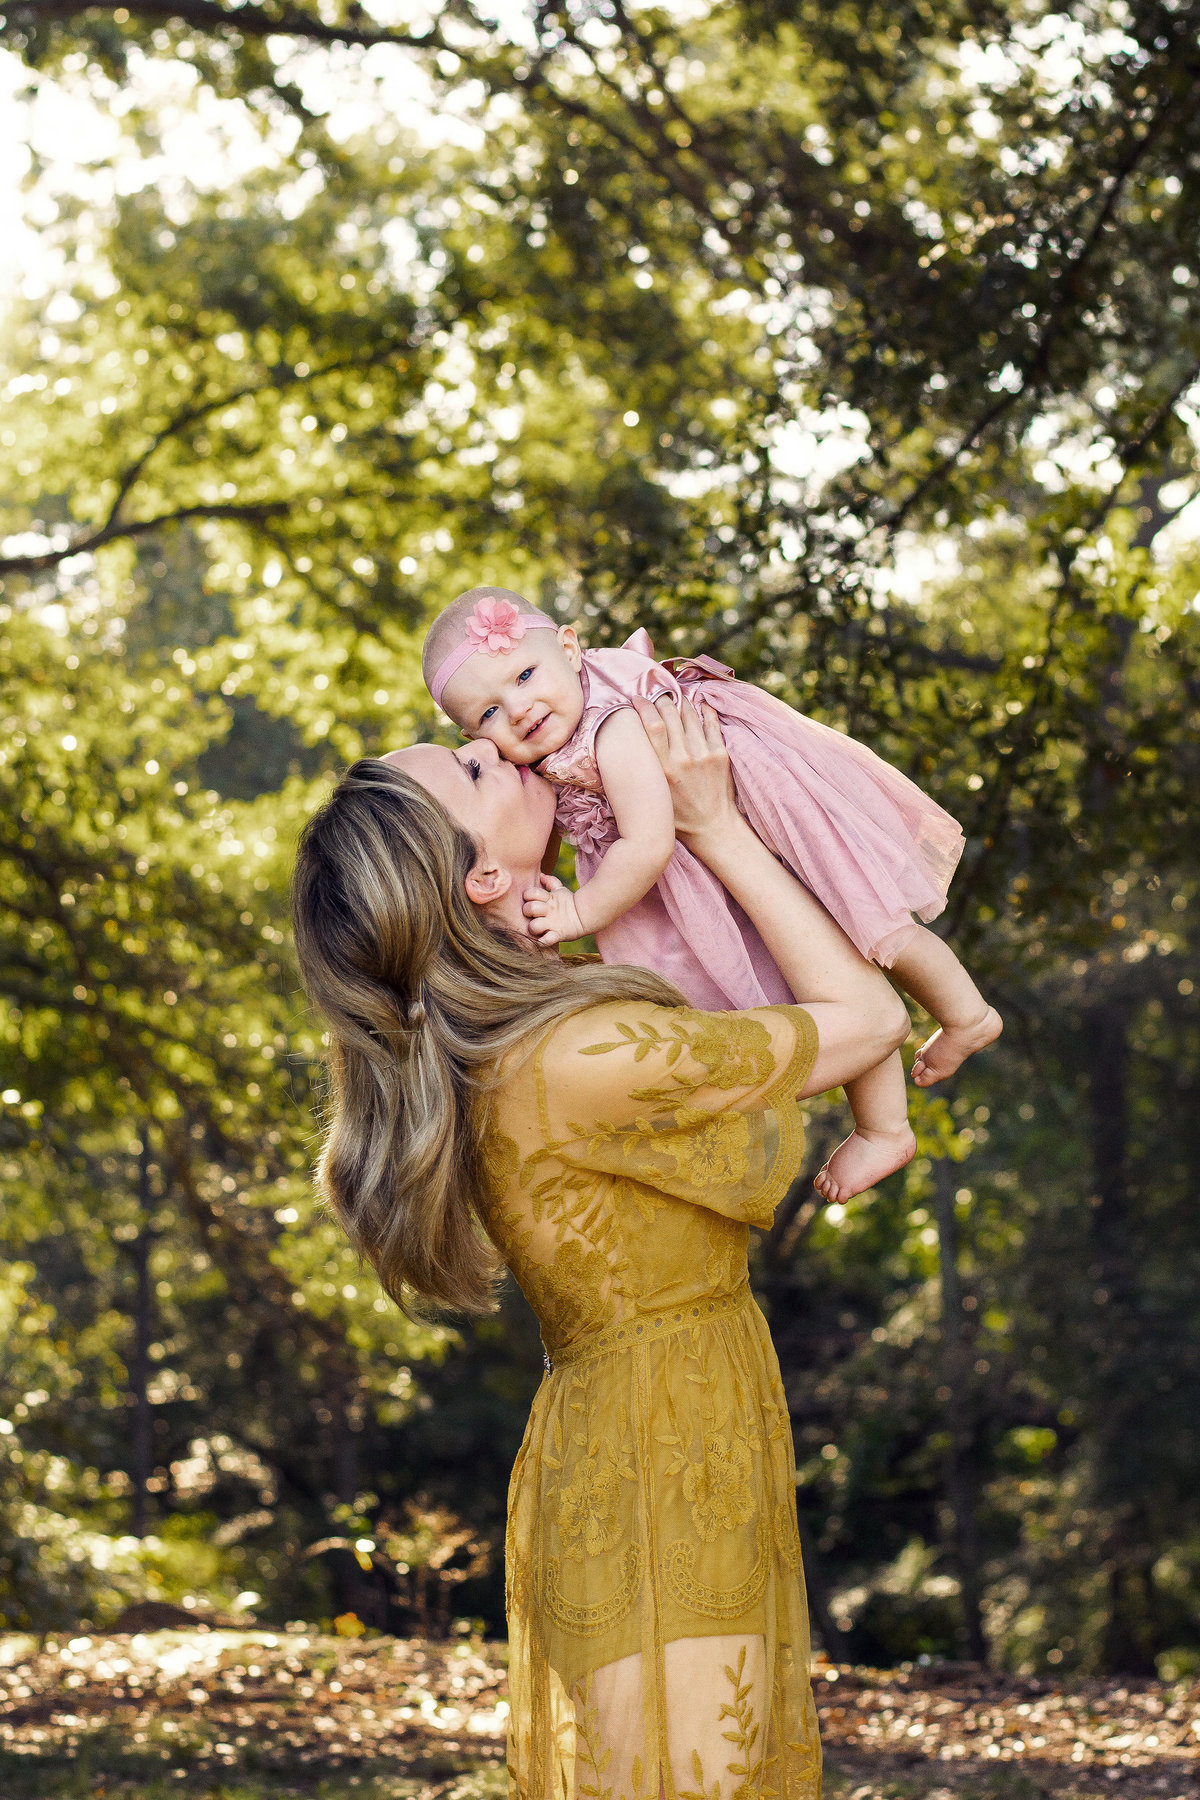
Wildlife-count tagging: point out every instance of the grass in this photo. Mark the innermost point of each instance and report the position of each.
(936, 1782)
(294, 1716)
(99, 1778)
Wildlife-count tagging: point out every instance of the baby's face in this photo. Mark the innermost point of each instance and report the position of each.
(527, 701)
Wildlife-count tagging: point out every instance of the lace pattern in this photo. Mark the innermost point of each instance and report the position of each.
(657, 1620)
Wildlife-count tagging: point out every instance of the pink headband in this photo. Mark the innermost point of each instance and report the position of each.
(494, 628)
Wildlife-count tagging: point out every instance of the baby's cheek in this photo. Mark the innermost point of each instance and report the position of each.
(523, 755)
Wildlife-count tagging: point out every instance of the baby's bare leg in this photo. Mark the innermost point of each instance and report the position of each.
(928, 969)
(882, 1140)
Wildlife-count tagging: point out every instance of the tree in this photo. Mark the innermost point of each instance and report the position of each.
(717, 324)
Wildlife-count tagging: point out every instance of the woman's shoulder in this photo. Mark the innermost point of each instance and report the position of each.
(637, 1049)
(633, 1069)
(562, 1036)
(592, 1031)
(578, 1032)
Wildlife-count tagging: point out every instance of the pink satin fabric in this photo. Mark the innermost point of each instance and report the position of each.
(860, 835)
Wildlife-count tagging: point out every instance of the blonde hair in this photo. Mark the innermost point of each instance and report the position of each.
(424, 995)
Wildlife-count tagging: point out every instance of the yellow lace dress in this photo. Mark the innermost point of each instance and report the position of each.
(657, 1618)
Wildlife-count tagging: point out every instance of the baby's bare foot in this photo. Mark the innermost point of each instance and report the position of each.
(941, 1054)
(865, 1158)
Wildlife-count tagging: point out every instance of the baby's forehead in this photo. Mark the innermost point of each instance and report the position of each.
(481, 675)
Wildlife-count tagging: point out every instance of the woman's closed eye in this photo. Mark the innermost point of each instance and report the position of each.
(473, 768)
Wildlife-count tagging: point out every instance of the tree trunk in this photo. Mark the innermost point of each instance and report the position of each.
(357, 1591)
(834, 1641)
(141, 1458)
(1128, 1639)
(961, 1484)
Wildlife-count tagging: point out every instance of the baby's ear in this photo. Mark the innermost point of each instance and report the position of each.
(568, 637)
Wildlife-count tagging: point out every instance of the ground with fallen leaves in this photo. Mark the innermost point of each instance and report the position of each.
(261, 1715)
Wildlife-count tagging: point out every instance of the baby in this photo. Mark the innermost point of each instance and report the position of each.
(868, 843)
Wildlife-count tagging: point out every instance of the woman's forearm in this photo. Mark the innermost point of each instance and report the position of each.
(860, 1018)
(814, 955)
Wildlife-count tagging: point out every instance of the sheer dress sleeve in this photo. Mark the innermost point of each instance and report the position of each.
(701, 1106)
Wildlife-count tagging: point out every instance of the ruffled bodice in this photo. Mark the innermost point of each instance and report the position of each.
(611, 680)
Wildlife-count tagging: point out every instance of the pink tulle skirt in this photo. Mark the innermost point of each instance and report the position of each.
(863, 838)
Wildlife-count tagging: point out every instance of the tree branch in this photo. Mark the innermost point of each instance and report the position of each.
(1035, 365)
(252, 513)
(245, 21)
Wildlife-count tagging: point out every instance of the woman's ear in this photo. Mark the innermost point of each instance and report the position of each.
(568, 637)
(486, 883)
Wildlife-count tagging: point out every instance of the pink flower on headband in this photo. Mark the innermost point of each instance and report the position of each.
(496, 626)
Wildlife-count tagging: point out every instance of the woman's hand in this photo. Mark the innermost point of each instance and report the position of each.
(688, 743)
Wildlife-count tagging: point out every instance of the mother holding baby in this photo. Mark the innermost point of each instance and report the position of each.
(494, 1104)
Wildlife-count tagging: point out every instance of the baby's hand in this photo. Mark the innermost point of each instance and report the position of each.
(550, 909)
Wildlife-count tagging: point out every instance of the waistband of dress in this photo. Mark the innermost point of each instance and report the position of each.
(647, 1328)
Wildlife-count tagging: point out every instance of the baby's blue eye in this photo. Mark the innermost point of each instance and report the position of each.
(487, 715)
(524, 676)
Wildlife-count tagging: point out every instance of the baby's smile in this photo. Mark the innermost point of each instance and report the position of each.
(526, 701)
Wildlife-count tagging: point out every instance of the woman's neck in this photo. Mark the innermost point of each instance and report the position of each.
(509, 909)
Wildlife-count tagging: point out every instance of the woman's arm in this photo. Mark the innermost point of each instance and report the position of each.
(860, 1019)
(637, 791)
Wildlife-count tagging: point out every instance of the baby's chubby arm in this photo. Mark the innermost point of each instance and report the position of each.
(637, 791)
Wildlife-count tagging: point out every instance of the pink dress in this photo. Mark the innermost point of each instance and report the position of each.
(862, 837)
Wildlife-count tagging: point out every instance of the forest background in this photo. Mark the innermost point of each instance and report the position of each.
(857, 344)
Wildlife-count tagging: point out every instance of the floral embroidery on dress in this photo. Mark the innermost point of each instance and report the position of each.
(595, 1756)
(718, 1487)
(733, 1050)
(583, 1621)
(787, 1537)
(726, 1253)
(716, 1153)
(576, 1285)
(588, 1520)
(736, 1051)
(744, 1735)
(501, 1160)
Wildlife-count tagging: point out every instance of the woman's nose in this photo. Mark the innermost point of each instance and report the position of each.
(485, 750)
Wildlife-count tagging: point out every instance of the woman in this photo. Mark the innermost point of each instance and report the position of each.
(615, 1146)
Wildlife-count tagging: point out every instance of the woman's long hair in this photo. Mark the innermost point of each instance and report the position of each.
(423, 995)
